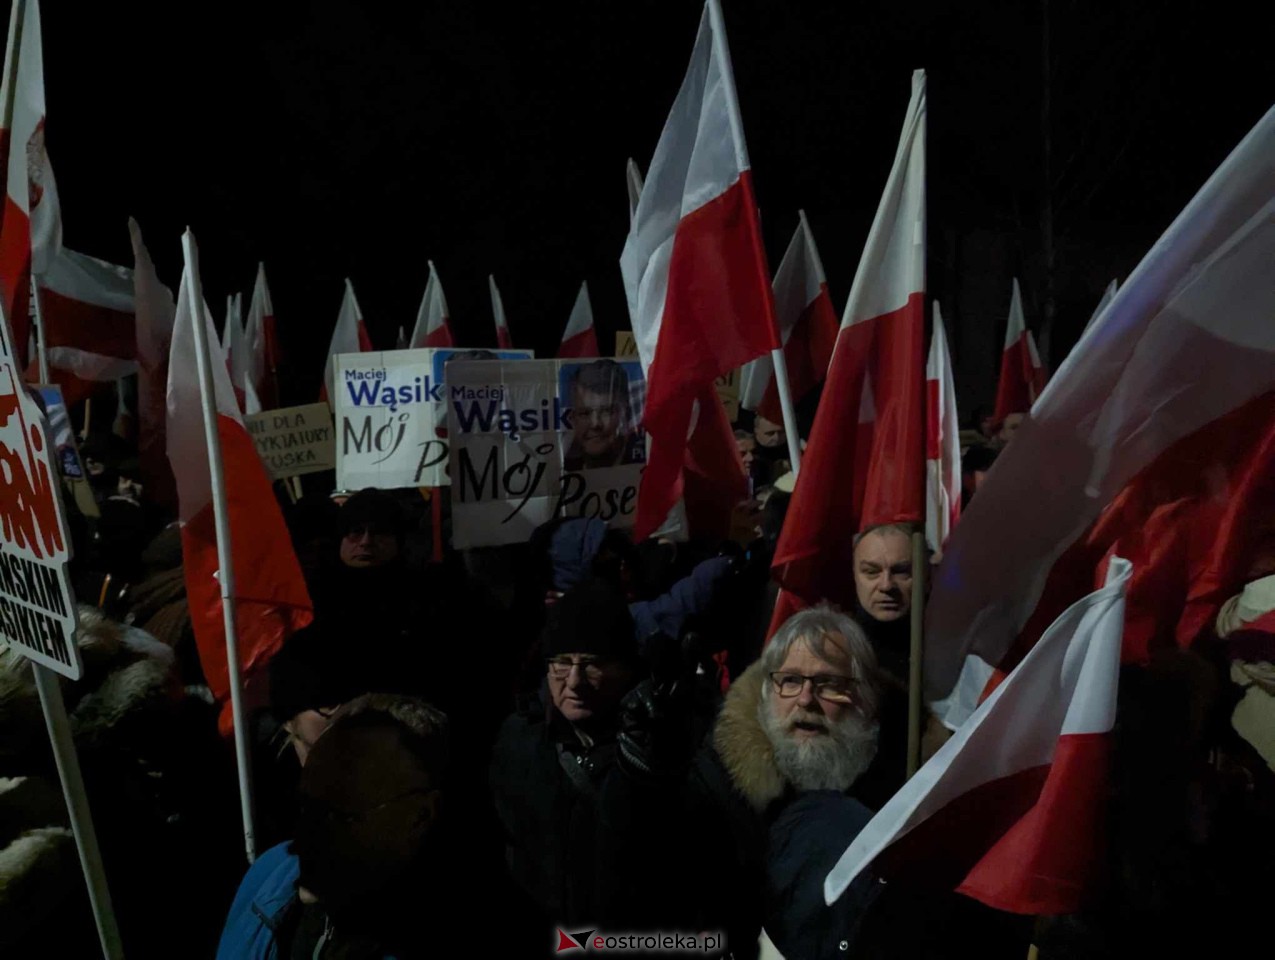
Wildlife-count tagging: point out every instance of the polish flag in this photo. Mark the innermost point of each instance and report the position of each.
(1010, 811)
(942, 441)
(1155, 422)
(263, 347)
(155, 310)
(433, 322)
(31, 225)
(807, 325)
(633, 181)
(271, 600)
(696, 278)
(865, 462)
(503, 340)
(1022, 377)
(234, 346)
(89, 324)
(579, 339)
(349, 336)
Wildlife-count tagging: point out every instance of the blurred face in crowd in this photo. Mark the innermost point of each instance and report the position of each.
(747, 452)
(598, 419)
(987, 426)
(883, 574)
(366, 807)
(584, 687)
(368, 545)
(811, 714)
(1009, 427)
(768, 434)
(305, 729)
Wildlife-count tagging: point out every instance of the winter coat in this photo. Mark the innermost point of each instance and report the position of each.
(588, 842)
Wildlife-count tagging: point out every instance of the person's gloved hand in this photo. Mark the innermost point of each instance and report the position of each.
(656, 738)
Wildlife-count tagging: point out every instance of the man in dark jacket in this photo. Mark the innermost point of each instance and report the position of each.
(585, 821)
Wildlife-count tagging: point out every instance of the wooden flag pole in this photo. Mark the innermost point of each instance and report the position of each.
(917, 613)
(225, 562)
(108, 933)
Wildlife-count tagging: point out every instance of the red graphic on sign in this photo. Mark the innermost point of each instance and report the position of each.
(28, 510)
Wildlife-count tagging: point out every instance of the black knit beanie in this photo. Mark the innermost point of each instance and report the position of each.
(592, 618)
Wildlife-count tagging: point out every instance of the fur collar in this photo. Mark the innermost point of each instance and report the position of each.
(742, 743)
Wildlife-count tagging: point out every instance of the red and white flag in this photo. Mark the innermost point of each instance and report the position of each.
(1010, 810)
(1162, 418)
(807, 326)
(271, 600)
(234, 346)
(579, 339)
(697, 282)
(349, 336)
(503, 340)
(155, 310)
(89, 324)
(942, 441)
(865, 462)
(433, 322)
(31, 226)
(1022, 377)
(633, 181)
(263, 348)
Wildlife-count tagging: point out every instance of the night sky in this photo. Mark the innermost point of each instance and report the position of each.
(335, 138)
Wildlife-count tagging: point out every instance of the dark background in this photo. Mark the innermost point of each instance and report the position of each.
(335, 138)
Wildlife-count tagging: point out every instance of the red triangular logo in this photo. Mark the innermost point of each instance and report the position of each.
(566, 943)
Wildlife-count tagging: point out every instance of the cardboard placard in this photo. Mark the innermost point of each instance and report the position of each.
(535, 440)
(391, 416)
(294, 441)
(37, 604)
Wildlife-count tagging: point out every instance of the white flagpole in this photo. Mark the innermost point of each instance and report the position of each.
(41, 348)
(722, 50)
(108, 933)
(225, 563)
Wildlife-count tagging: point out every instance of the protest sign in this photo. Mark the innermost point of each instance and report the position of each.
(37, 606)
(540, 439)
(294, 441)
(391, 417)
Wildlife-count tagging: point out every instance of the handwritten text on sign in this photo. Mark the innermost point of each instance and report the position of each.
(540, 439)
(294, 440)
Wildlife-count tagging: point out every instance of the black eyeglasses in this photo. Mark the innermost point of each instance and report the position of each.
(829, 687)
(591, 667)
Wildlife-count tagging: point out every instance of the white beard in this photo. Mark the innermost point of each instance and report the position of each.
(831, 762)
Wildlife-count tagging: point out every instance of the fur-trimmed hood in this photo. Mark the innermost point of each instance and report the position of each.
(742, 743)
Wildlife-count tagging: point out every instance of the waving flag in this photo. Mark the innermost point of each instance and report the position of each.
(942, 441)
(1022, 377)
(503, 340)
(263, 347)
(579, 339)
(349, 336)
(807, 325)
(433, 322)
(865, 461)
(696, 278)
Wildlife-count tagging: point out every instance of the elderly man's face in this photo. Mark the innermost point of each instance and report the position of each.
(809, 715)
(598, 420)
(883, 574)
(583, 687)
(747, 452)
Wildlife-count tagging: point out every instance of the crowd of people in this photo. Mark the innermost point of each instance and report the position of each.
(491, 749)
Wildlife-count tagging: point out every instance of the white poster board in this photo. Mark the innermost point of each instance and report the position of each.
(294, 441)
(391, 416)
(535, 440)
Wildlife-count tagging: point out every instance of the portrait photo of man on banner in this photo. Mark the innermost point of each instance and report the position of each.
(605, 430)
